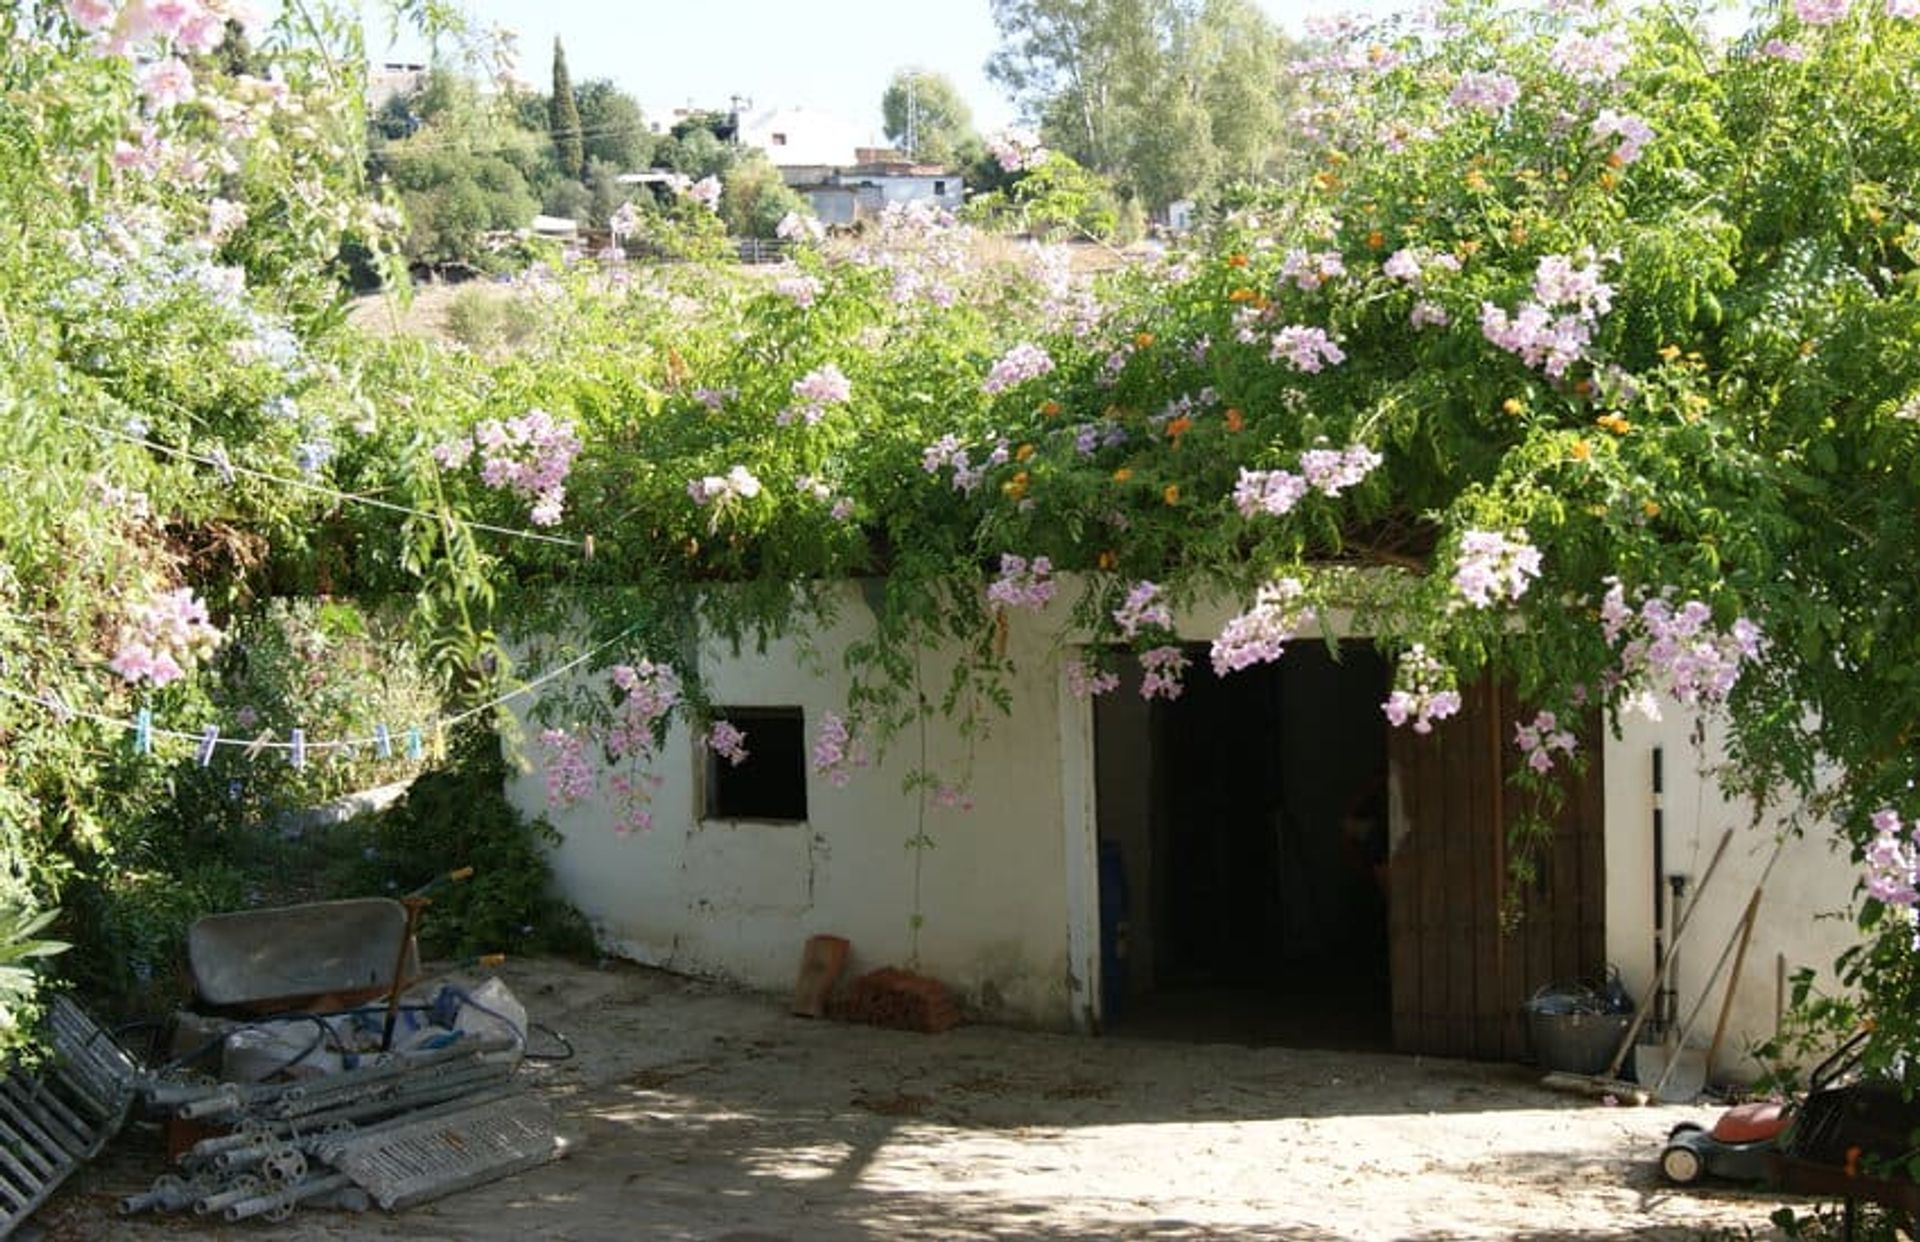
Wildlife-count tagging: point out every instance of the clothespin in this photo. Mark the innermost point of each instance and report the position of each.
(382, 742)
(439, 742)
(57, 705)
(413, 743)
(298, 755)
(259, 744)
(143, 732)
(208, 740)
(586, 545)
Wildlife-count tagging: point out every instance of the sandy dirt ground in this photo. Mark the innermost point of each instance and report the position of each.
(697, 1112)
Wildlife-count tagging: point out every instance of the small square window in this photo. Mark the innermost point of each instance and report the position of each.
(779, 140)
(771, 782)
(940, 188)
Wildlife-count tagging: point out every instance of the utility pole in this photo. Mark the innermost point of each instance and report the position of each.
(913, 142)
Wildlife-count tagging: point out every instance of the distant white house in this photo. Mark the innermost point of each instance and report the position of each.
(877, 179)
(795, 137)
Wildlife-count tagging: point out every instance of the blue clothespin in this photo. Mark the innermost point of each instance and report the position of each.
(414, 746)
(208, 740)
(382, 742)
(143, 732)
(299, 752)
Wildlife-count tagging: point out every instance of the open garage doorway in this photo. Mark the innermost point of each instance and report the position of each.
(1243, 853)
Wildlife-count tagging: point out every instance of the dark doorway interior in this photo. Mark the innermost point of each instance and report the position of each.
(1243, 848)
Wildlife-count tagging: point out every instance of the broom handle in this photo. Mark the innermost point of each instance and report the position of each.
(1680, 925)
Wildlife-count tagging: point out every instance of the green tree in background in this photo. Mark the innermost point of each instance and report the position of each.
(923, 114)
(563, 118)
(612, 127)
(1167, 97)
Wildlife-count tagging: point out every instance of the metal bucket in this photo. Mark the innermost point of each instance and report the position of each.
(289, 957)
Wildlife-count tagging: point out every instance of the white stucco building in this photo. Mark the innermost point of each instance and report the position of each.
(1263, 857)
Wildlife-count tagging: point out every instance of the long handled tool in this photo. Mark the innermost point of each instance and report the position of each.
(1609, 1083)
(416, 903)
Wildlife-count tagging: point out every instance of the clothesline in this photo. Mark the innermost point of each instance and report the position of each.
(307, 485)
(209, 738)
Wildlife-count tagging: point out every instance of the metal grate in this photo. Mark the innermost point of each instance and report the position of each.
(55, 1119)
(437, 1156)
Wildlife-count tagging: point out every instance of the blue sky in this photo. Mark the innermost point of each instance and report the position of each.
(835, 55)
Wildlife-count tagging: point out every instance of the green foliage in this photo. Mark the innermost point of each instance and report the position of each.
(1057, 199)
(456, 818)
(923, 114)
(1165, 97)
(613, 129)
(563, 118)
(485, 319)
(755, 199)
(20, 948)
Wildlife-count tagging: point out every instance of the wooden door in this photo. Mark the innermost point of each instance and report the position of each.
(1459, 977)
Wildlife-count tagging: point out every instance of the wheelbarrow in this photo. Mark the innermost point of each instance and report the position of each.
(318, 956)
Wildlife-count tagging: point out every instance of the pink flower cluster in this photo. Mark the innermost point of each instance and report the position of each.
(1494, 567)
(1423, 692)
(1310, 271)
(1821, 12)
(186, 25)
(728, 741)
(1023, 362)
(1261, 634)
(1308, 349)
(1539, 738)
(817, 389)
(1893, 860)
(947, 451)
(1141, 609)
(1327, 471)
(1540, 336)
(1678, 651)
(569, 776)
(1592, 58)
(530, 455)
(1085, 681)
(1016, 150)
(720, 491)
(1162, 669)
(1632, 132)
(800, 290)
(163, 638)
(1411, 265)
(1782, 49)
(1487, 92)
(795, 227)
(1022, 584)
(835, 750)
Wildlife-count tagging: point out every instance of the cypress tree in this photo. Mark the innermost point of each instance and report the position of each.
(563, 118)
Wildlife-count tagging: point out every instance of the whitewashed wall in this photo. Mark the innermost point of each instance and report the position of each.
(1801, 912)
(739, 899)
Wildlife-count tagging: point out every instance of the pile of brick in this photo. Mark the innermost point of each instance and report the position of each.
(898, 999)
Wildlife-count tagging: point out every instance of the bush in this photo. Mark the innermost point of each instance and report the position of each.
(456, 818)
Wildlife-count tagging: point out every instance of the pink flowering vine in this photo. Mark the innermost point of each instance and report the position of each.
(569, 777)
(1308, 349)
(1022, 583)
(1494, 567)
(1539, 738)
(836, 752)
(529, 455)
(1422, 691)
(728, 741)
(1893, 861)
(1261, 634)
(1086, 682)
(1023, 362)
(163, 638)
(1142, 608)
(1162, 670)
(1677, 651)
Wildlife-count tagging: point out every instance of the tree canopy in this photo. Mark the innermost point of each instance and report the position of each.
(925, 116)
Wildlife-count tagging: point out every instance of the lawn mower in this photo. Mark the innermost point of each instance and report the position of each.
(1746, 1142)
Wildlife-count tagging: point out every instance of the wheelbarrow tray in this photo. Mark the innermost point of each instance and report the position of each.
(291, 957)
